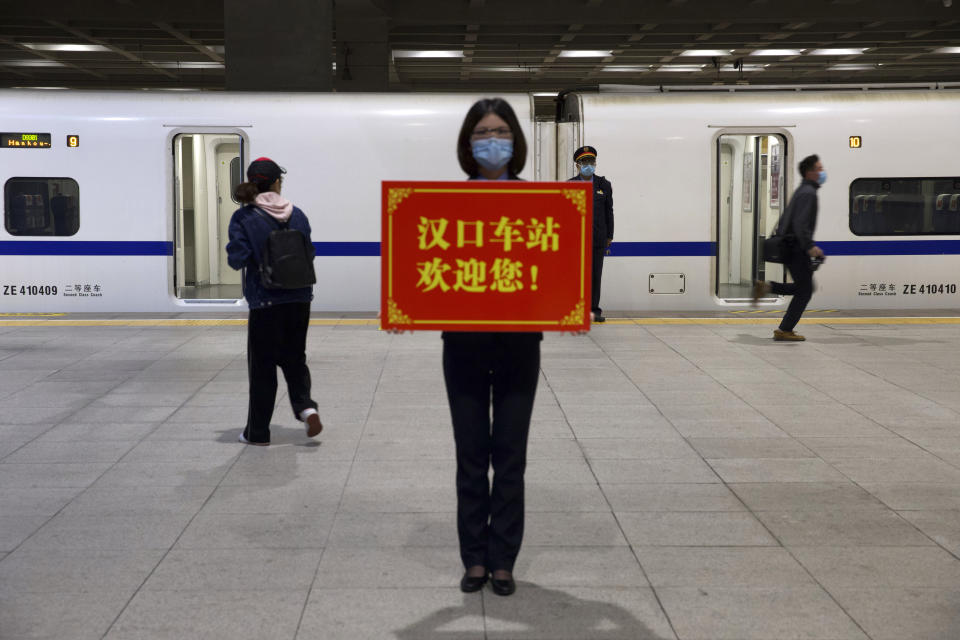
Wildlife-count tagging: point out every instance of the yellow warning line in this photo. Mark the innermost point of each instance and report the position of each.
(371, 322)
(174, 322)
(741, 321)
(756, 311)
(30, 315)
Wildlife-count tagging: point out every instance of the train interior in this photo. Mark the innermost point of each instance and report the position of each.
(905, 206)
(207, 169)
(751, 193)
(41, 206)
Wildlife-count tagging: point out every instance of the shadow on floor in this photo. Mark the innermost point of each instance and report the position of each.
(278, 436)
(871, 341)
(535, 612)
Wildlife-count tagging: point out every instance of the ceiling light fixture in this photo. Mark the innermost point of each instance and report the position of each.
(188, 65)
(626, 68)
(585, 53)
(777, 52)
(428, 53)
(744, 67)
(680, 68)
(837, 52)
(851, 67)
(506, 69)
(953, 50)
(45, 46)
(31, 63)
(707, 53)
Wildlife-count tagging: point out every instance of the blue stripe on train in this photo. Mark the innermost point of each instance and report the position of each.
(890, 247)
(84, 248)
(620, 249)
(345, 249)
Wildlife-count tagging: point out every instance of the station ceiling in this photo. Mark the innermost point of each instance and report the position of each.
(479, 45)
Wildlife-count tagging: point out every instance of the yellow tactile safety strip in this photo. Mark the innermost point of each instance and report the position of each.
(807, 312)
(841, 320)
(30, 315)
(363, 322)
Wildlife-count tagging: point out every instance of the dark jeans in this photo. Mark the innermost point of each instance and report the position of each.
(596, 273)
(490, 523)
(801, 288)
(276, 337)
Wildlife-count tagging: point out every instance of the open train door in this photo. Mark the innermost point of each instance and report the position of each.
(207, 168)
(751, 193)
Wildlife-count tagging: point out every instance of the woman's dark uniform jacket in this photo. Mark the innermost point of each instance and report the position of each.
(602, 210)
(602, 231)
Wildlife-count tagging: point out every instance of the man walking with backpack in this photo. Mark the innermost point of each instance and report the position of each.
(270, 242)
(800, 220)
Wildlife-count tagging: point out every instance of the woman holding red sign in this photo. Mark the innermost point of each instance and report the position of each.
(484, 368)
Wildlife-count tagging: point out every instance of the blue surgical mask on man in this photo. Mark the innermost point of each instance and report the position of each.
(587, 170)
(492, 153)
(821, 177)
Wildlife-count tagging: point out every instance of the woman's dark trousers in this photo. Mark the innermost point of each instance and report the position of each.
(276, 337)
(801, 288)
(490, 522)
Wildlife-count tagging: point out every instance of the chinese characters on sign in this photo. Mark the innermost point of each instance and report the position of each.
(877, 289)
(83, 291)
(486, 256)
(504, 274)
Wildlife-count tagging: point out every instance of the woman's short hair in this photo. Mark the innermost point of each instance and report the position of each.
(476, 113)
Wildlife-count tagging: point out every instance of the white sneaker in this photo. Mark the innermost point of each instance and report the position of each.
(243, 440)
(311, 422)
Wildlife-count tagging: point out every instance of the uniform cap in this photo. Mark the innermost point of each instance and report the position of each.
(264, 170)
(584, 152)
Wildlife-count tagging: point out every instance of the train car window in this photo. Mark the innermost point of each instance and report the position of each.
(41, 206)
(236, 177)
(905, 206)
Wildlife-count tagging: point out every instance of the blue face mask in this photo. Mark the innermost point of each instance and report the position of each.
(821, 177)
(587, 170)
(492, 153)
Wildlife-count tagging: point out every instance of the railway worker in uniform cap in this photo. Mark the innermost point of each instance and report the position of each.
(801, 218)
(277, 326)
(586, 161)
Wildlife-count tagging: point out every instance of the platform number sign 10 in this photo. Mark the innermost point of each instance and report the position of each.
(856, 142)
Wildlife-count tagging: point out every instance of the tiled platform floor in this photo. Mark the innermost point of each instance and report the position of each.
(694, 482)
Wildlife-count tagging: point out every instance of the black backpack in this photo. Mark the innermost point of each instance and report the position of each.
(287, 258)
(778, 247)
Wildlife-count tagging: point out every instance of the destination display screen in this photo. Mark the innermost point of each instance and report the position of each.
(25, 140)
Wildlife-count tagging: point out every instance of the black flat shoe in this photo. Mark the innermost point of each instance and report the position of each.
(503, 587)
(472, 584)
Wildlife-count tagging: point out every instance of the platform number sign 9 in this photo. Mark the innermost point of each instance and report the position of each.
(73, 141)
(856, 142)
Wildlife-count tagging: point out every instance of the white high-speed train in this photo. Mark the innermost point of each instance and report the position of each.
(119, 201)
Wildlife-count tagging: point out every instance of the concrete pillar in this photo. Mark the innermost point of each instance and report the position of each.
(363, 49)
(286, 45)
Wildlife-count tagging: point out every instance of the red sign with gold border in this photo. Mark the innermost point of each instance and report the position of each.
(486, 256)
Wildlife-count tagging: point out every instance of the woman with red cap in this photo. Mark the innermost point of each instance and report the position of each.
(279, 317)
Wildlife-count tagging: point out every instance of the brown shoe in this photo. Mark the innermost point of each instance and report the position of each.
(760, 290)
(787, 336)
(312, 424)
